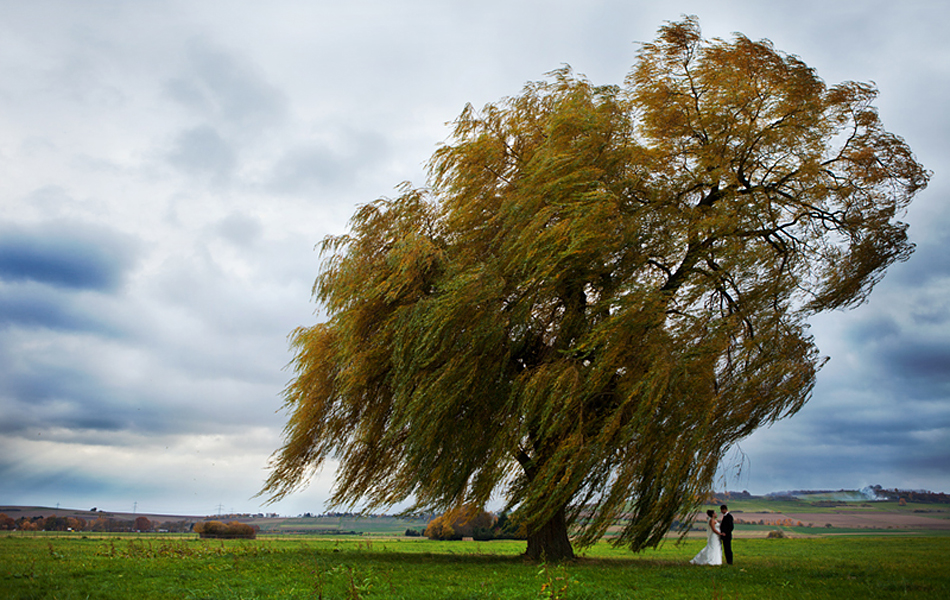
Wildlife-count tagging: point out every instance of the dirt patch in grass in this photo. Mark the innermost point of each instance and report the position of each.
(849, 519)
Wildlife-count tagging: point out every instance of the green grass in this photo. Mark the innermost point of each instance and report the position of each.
(371, 525)
(278, 567)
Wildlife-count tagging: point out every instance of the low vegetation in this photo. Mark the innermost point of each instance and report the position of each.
(232, 530)
(146, 567)
(470, 522)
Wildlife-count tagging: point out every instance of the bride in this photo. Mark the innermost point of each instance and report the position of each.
(712, 553)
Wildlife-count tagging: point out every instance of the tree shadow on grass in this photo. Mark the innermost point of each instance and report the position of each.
(393, 556)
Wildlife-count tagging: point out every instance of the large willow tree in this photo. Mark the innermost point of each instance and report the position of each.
(600, 291)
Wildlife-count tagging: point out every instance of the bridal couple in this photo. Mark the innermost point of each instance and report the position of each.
(718, 539)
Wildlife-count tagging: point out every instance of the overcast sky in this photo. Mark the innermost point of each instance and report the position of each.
(166, 168)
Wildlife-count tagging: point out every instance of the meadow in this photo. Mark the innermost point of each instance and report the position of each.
(153, 566)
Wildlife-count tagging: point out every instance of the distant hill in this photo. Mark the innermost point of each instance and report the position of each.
(873, 493)
(15, 512)
(872, 498)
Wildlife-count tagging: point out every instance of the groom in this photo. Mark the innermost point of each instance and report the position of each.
(725, 527)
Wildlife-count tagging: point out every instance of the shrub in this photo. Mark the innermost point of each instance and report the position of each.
(465, 521)
(217, 529)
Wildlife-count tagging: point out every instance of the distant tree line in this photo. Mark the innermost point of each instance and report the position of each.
(893, 495)
(921, 496)
(723, 497)
(100, 524)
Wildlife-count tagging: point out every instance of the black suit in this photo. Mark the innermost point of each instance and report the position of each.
(726, 527)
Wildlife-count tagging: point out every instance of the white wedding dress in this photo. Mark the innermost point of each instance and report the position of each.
(712, 553)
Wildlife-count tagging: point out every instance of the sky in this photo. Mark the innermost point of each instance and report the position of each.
(167, 168)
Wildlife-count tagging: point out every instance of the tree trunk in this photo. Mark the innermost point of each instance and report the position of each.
(549, 543)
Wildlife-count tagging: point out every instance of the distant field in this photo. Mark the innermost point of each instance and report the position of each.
(15, 512)
(379, 525)
(756, 517)
(382, 525)
(148, 567)
(819, 518)
(815, 506)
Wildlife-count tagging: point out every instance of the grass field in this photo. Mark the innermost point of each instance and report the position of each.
(277, 567)
(387, 525)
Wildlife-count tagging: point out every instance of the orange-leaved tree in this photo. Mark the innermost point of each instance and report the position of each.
(461, 522)
(142, 524)
(601, 290)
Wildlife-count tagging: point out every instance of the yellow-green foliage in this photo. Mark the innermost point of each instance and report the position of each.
(600, 291)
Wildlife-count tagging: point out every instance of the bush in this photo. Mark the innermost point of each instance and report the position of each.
(217, 529)
(461, 523)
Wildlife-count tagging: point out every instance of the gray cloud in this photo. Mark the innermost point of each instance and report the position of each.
(304, 168)
(169, 167)
(44, 387)
(923, 361)
(221, 87)
(66, 254)
(930, 261)
(41, 306)
(341, 162)
(51, 481)
(202, 150)
(241, 230)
